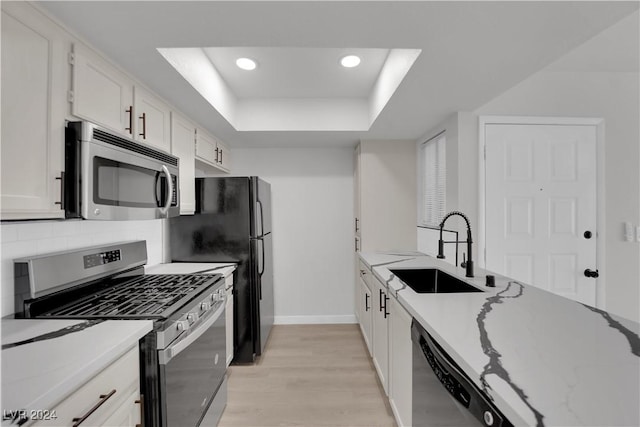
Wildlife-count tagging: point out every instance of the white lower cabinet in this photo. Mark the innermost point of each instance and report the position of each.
(366, 312)
(400, 362)
(386, 329)
(364, 304)
(126, 415)
(381, 333)
(111, 398)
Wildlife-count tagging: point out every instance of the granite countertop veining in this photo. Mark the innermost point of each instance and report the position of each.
(543, 359)
(43, 361)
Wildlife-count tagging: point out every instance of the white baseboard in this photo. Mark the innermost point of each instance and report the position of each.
(314, 320)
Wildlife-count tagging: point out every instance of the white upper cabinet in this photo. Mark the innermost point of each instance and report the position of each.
(211, 152)
(183, 134)
(389, 168)
(35, 77)
(224, 156)
(48, 77)
(152, 119)
(101, 93)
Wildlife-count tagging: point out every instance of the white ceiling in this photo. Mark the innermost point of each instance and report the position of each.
(471, 51)
(294, 89)
(293, 72)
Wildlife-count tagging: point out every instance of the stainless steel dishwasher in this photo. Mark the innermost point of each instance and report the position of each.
(442, 394)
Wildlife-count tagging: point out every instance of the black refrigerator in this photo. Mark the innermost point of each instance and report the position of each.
(232, 223)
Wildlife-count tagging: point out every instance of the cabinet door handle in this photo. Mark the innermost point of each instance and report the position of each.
(61, 178)
(130, 111)
(103, 399)
(386, 313)
(143, 117)
(221, 156)
(366, 302)
(380, 301)
(141, 403)
(357, 225)
(217, 155)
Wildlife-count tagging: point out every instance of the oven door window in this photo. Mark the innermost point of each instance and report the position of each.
(123, 184)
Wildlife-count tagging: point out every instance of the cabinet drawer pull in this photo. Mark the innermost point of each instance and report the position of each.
(130, 111)
(366, 302)
(103, 399)
(143, 117)
(141, 403)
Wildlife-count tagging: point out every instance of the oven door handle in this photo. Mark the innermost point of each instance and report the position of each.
(165, 356)
(167, 205)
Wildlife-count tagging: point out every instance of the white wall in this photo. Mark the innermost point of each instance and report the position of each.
(581, 85)
(312, 215)
(20, 239)
(462, 186)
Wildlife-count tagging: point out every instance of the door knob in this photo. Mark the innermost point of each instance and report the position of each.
(591, 273)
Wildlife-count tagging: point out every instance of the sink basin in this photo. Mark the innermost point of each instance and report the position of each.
(432, 281)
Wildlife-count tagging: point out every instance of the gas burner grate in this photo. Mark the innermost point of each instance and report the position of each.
(149, 296)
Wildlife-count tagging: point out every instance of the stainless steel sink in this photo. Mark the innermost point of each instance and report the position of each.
(432, 281)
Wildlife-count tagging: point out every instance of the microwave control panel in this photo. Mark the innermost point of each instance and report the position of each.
(102, 258)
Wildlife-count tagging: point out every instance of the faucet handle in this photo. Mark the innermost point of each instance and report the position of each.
(440, 249)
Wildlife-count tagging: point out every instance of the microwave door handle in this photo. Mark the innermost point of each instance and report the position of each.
(167, 205)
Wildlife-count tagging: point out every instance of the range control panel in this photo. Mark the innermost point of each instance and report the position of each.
(102, 258)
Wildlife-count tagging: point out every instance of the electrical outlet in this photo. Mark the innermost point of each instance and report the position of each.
(628, 231)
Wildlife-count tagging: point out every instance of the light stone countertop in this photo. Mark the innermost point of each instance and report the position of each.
(225, 268)
(44, 361)
(543, 359)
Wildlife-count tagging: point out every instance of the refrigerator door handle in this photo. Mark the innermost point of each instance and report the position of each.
(261, 272)
(261, 219)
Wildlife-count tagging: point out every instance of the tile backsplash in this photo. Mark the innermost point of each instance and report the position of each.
(21, 239)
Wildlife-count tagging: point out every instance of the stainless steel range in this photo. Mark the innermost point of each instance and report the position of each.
(182, 361)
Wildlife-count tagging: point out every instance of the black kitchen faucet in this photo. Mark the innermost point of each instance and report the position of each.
(468, 264)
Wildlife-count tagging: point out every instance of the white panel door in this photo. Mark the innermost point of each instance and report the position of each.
(541, 206)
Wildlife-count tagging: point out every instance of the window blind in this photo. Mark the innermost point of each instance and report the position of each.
(434, 175)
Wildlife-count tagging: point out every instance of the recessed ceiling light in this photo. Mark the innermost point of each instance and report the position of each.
(246, 64)
(350, 61)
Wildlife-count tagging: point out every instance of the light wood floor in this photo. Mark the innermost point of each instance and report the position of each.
(309, 375)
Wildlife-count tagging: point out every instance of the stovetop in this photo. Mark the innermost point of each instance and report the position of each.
(141, 297)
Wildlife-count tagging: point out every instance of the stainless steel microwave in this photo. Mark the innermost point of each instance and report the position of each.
(109, 177)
